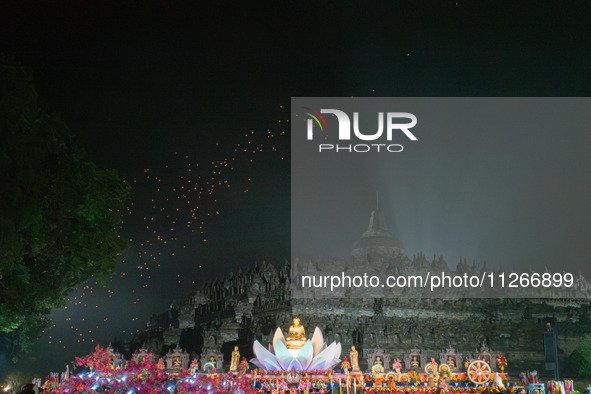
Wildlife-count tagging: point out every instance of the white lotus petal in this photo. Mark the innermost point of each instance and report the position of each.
(261, 353)
(338, 350)
(295, 364)
(278, 337)
(257, 363)
(332, 364)
(326, 357)
(329, 352)
(271, 363)
(318, 363)
(317, 341)
(283, 355)
(336, 358)
(306, 355)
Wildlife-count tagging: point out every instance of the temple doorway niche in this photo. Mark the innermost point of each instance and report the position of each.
(415, 359)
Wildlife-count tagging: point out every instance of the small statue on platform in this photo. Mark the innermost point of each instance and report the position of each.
(414, 362)
(211, 365)
(354, 359)
(297, 335)
(451, 361)
(235, 359)
(378, 365)
(66, 375)
(176, 362)
(498, 383)
(194, 366)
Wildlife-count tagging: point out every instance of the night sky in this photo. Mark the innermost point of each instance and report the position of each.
(496, 181)
(189, 101)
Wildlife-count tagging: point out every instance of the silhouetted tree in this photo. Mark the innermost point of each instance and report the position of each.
(59, 214)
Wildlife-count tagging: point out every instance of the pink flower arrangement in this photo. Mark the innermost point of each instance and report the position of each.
(145, 378)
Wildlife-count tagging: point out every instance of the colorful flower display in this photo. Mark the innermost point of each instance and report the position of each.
(148, 378)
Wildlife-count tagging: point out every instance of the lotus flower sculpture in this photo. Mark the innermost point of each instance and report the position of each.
(313, 355)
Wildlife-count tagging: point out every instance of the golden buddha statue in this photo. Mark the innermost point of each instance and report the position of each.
(297, 335)
(354, 354)
(235, 359)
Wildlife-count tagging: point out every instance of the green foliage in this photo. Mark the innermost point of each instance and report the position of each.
(580, 358)
(59, 214)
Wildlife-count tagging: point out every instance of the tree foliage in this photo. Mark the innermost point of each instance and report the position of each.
(59, 214)
(580, 358)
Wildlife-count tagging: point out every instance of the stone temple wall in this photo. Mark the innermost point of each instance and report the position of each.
(242, 307)
(248, 306)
